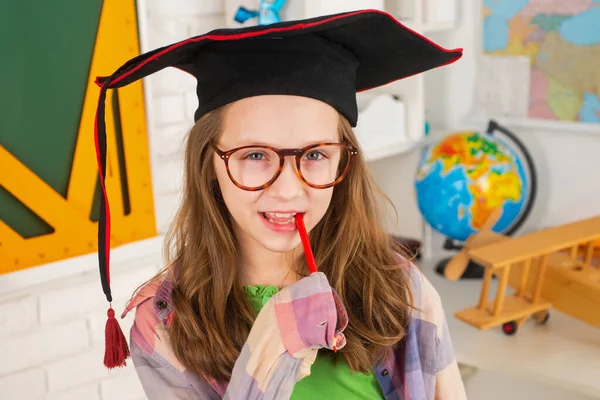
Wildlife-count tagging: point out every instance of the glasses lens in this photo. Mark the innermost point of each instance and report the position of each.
(254, 166)
(323, 165)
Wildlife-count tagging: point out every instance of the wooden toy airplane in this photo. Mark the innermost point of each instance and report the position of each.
(546, 269)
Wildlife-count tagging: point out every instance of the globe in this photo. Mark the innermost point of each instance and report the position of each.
(463, 177)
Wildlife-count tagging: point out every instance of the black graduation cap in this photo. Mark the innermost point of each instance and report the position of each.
(329, 58)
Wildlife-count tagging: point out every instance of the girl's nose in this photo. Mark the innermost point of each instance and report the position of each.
(288, 184)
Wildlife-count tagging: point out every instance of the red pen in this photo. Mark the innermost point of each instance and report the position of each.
(310, 258)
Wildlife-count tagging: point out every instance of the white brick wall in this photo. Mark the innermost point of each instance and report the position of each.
(28, 384)
(57, 352)
(52, 333)
(19, 315)
(42, 345)
(90, 392)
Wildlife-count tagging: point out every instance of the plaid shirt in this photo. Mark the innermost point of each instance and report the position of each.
(284, 341)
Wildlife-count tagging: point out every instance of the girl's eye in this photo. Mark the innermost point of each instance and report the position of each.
(255, 156)
(314, 155)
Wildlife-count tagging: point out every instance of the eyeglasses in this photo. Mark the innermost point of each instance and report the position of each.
(255, 168)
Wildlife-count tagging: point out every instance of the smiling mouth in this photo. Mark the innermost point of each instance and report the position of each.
(280, 218)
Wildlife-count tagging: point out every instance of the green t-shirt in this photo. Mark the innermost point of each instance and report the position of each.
(325, 381)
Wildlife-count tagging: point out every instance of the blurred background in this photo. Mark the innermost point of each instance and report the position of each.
(527, 86)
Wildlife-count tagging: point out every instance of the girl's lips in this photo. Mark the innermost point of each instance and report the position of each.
(279, 224)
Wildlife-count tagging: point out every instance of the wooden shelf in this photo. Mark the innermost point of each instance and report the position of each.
(437, 26)
(391, 150)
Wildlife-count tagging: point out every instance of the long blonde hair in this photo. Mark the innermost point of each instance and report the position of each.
(212, 316)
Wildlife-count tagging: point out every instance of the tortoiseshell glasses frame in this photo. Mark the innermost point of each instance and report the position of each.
(350, 151)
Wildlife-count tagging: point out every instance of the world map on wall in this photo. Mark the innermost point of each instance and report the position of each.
(562, 40)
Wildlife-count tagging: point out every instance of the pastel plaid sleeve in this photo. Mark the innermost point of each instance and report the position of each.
(285, 338)
(280, 350)
(448, 381)
(161, 374)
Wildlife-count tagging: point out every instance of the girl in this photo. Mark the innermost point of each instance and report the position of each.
(272, 155)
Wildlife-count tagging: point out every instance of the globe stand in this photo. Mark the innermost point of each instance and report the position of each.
(473, 270)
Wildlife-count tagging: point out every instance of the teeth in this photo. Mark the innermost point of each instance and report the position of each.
(280, 218)
(280, 215)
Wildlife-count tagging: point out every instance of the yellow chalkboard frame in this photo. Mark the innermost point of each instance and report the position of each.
(74, 232)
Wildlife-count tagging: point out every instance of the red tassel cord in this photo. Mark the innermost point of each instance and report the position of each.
(117, 350)
(310, 258)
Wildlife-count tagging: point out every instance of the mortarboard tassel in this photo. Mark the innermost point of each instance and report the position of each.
(116, 349)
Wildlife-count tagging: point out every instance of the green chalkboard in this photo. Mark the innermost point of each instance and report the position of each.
(46, 49)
